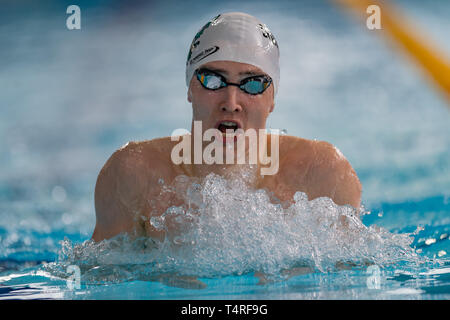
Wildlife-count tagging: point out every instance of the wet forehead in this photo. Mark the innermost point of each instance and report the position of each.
(233, 68)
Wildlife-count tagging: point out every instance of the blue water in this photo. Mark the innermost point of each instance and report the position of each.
(71, 98)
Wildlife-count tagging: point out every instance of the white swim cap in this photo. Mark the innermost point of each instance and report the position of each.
(237, 37)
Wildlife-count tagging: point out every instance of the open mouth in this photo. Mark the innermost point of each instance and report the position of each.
(229, 125)
(229, 128)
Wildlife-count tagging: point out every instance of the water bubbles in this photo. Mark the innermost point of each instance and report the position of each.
(225, 228)
(300, 197)
(442, 253)
(418, 229)
(157, 222)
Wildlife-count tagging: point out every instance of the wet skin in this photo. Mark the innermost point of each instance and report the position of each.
(128, 189)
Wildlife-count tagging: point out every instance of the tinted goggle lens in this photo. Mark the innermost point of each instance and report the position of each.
(210, 81)
(255, 85)
(252, 85)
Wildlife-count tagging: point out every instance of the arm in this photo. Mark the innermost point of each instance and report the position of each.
(334, 177)
(120, 193)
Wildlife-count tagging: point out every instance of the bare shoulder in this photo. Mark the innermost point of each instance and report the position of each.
(131, 161)
(125, 182)
(335, 176)
(295, 151)
(322, 169)
(139, 160)
(296, 156)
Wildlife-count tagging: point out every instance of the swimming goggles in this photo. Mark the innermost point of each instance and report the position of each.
(252, 85)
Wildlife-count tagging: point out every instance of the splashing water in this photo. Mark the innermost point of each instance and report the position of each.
(226, 228)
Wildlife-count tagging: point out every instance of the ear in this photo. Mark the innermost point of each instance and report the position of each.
(189, 95)
(273, 100)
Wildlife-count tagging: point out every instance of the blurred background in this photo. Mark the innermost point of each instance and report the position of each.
(70, 98)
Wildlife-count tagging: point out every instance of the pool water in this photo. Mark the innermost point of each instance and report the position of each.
(223, 246)
(70, 99)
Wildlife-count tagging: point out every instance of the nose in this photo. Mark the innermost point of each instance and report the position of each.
(231, 101)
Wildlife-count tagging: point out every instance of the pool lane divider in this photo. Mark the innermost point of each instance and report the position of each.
(410, 38)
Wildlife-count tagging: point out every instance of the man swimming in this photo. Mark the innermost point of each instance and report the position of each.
(232, 74)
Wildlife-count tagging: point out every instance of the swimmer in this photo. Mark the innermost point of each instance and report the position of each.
(232, 76)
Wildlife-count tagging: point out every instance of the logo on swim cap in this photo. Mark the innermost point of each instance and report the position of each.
(203, 54)
(266, 33)
(196, 42)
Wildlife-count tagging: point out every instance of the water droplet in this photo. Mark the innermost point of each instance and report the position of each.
(157, 222)
(418, 229)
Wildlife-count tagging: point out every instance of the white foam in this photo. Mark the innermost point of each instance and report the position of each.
(404, 291)
(226, 228)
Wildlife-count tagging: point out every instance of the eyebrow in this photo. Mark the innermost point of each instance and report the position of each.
(243, 73)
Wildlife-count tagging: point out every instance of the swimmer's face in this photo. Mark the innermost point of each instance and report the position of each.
(230, 103)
